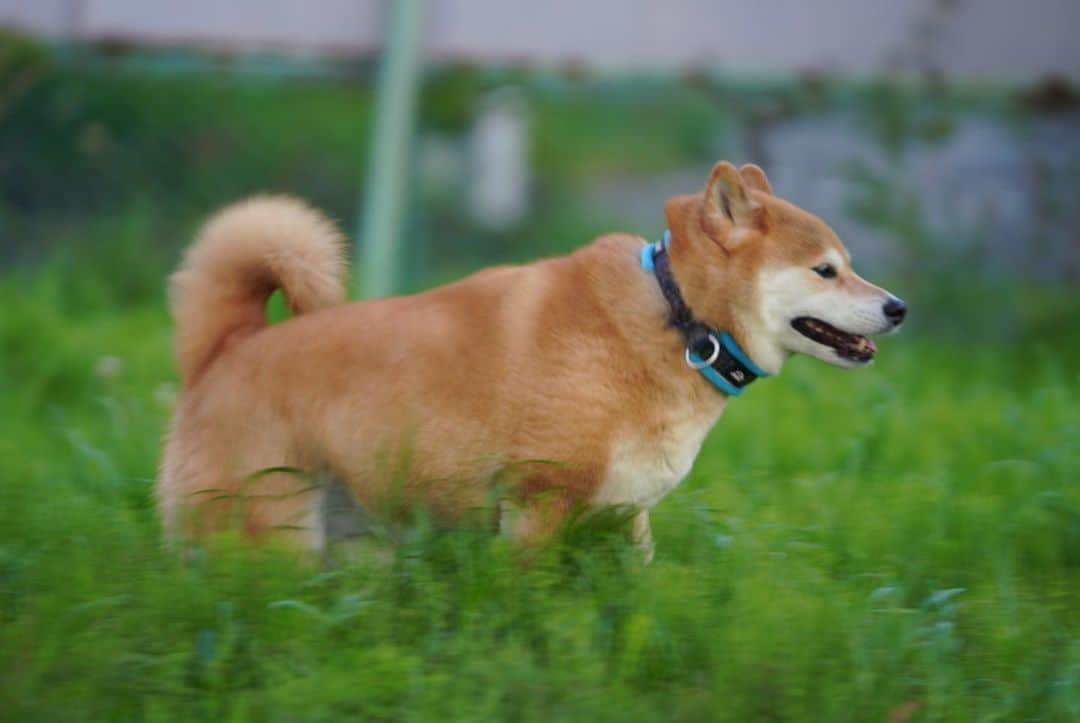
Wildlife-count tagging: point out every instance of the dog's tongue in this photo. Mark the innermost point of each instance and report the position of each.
(865, 344)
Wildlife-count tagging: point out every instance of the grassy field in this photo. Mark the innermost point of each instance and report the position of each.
(899, 540)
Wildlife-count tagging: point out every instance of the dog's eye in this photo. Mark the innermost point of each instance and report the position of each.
(825, 271)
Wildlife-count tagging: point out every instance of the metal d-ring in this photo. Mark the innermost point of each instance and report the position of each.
(712, 357)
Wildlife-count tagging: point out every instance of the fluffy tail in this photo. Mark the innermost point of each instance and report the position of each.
(243, 254)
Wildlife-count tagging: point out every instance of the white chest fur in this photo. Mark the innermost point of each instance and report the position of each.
(647, 463)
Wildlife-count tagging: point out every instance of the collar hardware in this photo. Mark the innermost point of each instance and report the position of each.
(715, 354)
(692, 360)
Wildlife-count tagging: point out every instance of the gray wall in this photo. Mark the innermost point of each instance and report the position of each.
(1010, 38)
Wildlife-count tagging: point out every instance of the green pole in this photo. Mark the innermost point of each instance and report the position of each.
(388, 173)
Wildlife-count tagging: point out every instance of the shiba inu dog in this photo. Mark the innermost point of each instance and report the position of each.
(594, 376)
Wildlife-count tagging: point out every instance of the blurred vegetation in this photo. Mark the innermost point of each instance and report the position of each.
(88, 140)
(849, 546)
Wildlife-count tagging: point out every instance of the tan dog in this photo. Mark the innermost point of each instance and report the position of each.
(572, 372)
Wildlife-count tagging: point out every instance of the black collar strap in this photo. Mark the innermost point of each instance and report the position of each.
(715, 354)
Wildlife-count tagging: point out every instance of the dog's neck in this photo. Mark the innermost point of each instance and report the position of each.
(714, 353)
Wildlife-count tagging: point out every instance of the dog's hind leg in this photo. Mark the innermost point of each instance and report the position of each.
(284, 504)
(211, 488)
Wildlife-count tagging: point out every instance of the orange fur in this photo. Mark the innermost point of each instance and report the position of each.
(563, 371)
(243, 254)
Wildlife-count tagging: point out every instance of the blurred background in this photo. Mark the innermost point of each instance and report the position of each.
(898, 544)
(943, 127)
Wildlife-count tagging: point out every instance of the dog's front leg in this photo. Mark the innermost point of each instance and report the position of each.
(643, 536)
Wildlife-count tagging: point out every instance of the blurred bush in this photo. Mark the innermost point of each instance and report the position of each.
(81, 143)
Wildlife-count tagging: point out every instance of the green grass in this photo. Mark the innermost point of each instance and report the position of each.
(847, 543)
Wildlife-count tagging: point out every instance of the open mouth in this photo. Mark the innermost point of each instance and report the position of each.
(849, 346)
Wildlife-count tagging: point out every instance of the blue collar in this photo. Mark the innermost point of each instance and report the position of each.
(713, 353)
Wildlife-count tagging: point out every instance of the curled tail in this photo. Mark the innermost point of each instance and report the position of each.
(242, 255)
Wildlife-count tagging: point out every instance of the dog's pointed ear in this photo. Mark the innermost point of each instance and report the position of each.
(755, 178)
(726, 197)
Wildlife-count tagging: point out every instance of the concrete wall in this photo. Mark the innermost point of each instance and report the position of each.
(1012, 38)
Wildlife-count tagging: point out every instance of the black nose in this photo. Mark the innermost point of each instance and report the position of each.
(895, 309)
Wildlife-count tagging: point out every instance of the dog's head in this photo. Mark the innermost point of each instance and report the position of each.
(773, 274)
